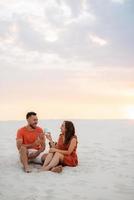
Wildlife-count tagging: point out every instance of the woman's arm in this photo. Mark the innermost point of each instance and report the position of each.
(51, 142)
(66, 152)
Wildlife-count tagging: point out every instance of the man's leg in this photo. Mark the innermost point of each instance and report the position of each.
(43, 157)
(24, 158)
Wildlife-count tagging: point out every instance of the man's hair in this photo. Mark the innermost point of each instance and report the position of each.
(29, 114)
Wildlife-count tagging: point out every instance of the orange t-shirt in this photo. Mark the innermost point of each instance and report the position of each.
(28, 136)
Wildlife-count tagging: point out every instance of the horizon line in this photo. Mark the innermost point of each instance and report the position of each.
(82, 119)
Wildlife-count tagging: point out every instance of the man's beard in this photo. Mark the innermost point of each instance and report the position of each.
(33, 127)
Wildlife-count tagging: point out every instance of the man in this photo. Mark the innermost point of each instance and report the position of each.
(30, 141)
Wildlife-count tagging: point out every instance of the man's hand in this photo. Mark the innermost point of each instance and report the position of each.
(40, 140)
(37, 142)
(42, 148)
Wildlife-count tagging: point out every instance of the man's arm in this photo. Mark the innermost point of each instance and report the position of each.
(42, 148)
(19, 143)
(42, 142)
(35, 154)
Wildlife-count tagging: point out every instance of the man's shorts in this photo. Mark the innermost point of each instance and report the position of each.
(38, 158)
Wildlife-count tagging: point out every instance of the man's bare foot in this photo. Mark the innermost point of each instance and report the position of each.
(57, 169)
(27, 170)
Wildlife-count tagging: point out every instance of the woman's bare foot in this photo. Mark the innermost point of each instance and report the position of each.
(57, 169)
(43, 169)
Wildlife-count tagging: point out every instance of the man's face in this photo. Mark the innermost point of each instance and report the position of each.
(33, 121)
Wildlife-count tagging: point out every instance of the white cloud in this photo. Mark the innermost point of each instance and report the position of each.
(98, 40)
(45, 26)
(84, 4)
(52, 33)
(119, 1)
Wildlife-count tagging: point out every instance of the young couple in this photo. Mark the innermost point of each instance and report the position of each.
(31, 144)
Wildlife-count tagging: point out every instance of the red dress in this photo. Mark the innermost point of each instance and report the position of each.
(69, 160)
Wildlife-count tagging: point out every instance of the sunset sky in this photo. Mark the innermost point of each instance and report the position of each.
(67, 59)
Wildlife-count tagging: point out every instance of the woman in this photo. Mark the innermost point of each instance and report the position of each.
(64, 152)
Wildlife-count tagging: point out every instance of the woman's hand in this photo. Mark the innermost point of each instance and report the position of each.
(52, 150)
(49, 137)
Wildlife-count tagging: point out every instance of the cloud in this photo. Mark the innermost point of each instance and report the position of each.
(98, 40)
(119, 1)
(44, 33)
(41, 34)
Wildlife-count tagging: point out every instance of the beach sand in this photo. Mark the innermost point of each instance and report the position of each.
(105, 170)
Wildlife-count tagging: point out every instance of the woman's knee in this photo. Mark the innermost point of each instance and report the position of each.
(61, 156)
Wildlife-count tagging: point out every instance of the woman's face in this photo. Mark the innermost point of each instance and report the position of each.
(63, 129)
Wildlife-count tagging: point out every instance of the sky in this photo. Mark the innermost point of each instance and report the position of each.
(67, 59)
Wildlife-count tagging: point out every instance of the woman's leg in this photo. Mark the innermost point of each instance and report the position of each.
(48, 159)
(57, 169)
(57, 158)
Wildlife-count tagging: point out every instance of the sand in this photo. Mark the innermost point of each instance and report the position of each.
(105, 171)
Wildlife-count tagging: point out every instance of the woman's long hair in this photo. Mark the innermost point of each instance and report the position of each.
(70, 131)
